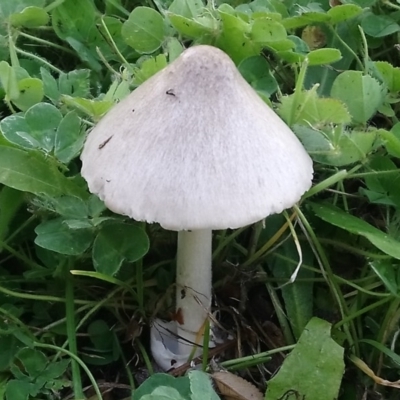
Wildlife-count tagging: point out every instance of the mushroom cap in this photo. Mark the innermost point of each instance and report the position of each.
(195, 147)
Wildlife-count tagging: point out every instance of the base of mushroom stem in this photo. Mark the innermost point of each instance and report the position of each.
(168, 350)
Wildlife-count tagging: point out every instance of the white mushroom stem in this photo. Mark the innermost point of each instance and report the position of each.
(193, 284)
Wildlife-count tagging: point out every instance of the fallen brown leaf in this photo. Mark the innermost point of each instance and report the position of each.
(233, 387)
(368, 371)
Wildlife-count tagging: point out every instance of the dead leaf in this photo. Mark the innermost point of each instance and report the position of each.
(368, 371)
(314, 36)
(233, 387)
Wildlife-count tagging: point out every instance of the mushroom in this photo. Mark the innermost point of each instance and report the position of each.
(194, 148)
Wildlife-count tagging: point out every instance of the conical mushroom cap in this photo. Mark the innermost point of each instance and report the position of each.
(195, 147)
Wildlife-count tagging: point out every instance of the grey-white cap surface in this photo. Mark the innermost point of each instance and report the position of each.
(195, 147)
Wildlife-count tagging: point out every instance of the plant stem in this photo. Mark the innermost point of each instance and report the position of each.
(229, 363)
(140, 285)
(29, 296)
(45, 42)
(118, 7)
(337, 36)
(115, 48)
(297, 92)
(79, 361)
(193, 283)
(19, 255)
(282, 318)
(124, 362)
(145, 356)
(361, 311)
(271, 242)
(354, 250)
(365, 44)
(226, 240)
(53, 5)
(40, 60)
(337, 278)
(328, 274)
(206, 341)
(71, 333)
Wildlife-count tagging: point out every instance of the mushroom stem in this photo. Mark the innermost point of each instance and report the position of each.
(193, 284)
